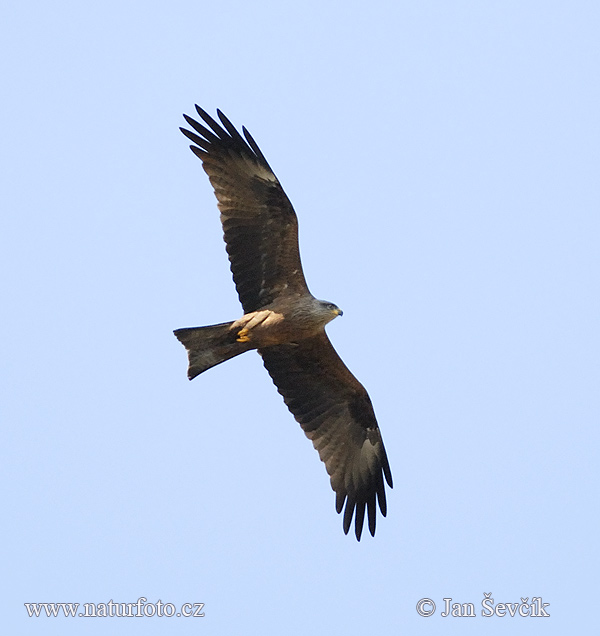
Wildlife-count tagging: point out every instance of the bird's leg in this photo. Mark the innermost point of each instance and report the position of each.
(255, 325)
(242, 335)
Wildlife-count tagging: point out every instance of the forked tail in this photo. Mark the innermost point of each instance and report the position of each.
(209, 346)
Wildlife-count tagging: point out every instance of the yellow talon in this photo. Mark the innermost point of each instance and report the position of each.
(243, 335)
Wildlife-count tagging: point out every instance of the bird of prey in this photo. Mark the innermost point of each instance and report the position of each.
(284, 322)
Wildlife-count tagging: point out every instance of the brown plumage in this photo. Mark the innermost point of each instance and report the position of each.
(284, 322)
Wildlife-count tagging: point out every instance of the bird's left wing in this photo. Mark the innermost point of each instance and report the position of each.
(336, 413)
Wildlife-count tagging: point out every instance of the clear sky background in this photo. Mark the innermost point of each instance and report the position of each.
(443, 158)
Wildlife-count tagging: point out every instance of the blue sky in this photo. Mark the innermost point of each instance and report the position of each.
(443, 159)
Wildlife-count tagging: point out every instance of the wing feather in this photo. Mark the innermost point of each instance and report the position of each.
(205, 132)
(259, 223)
(336, 414)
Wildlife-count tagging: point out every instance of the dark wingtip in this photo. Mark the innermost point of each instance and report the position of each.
(187, 133)
(209, 120)
(388, 473)
(254, 146)
(349, 512)
(202, 112)
(232, 130)
(199, 153)
(359, 519)
(372, 514)
(340, 498)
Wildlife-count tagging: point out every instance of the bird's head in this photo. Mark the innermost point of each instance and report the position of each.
(332, 310)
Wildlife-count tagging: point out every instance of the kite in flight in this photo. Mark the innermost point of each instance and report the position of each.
(284, 321)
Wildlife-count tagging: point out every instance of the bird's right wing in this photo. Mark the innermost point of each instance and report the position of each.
(259, 223)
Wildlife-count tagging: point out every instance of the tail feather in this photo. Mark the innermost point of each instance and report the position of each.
(209, 346)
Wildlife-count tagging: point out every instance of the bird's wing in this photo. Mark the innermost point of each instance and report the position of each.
(259, 223)
(336, 413)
